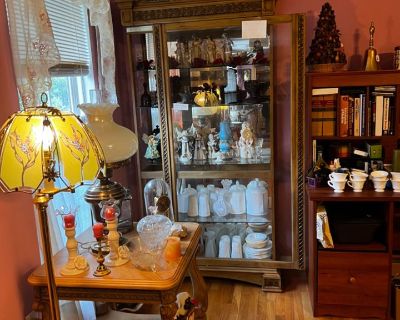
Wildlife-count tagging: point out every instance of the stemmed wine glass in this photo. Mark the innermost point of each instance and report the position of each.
(258, 147)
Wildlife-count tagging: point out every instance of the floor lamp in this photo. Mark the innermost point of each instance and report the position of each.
(42, 145)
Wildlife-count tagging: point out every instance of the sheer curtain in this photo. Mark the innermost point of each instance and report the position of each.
(33, 46)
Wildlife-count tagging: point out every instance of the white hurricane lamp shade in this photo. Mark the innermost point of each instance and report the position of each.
(118, 143)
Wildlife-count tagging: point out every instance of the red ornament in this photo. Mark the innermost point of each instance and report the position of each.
(109, 213)
(69, 220)
(98, 230)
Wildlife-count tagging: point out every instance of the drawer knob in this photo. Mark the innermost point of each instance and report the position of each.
(352, 280)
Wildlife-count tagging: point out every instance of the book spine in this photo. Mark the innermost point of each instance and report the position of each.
(363, 113)
(344, 114)
(357, 114)
(378, 115)
(350, 119)
(385, 124)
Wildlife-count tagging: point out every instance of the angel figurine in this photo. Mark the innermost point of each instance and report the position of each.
(183, 137)
(210, 50)
(152, 144)
(212, 146)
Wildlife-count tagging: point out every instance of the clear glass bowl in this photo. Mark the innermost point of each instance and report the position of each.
(152, 230)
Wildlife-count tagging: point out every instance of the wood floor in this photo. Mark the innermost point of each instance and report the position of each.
(232, 300)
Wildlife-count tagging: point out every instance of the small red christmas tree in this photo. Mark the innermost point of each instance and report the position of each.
(326, 46)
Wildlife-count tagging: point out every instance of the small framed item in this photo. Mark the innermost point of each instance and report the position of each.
(374, 151)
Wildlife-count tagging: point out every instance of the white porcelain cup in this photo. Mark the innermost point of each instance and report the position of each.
(379, 174)
(395, 175)
(358, 176)
(338, 186)
(357, 185)
(338, 176)
(379, 185)
(396, 185)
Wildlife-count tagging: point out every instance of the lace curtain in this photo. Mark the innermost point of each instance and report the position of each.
(33, 46)
(100, 17)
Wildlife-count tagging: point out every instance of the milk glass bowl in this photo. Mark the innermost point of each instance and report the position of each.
(152, 230)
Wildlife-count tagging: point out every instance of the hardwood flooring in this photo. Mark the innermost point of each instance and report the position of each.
(233, 300)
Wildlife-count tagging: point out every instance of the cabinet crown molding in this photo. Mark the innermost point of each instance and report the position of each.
(141, 12)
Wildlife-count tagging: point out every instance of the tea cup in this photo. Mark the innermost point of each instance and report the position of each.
(357, 185)
(379, 184)
(395, 175)
(358, 176)
(338, 176)
(396, 185)
(337, 185)
(379, 174)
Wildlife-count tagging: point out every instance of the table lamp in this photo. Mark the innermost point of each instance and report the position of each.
(119, 145)
(38, 146)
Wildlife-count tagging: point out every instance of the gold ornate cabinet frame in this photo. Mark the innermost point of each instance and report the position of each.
(286, 99)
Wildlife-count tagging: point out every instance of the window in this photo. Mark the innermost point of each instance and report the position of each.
(72, 79)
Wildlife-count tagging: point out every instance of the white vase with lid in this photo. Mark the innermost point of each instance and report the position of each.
(238, 198)
(256, 198)
(118, 143)
(204, 203)
(193, 203)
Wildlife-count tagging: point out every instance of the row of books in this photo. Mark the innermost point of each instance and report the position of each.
(349, 112)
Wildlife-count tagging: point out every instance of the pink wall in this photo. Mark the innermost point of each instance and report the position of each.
(353, 18)
(19, 247)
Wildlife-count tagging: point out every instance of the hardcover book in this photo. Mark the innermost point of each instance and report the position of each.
(323, 115)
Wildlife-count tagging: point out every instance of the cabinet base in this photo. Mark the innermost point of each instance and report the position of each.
(269, 279)
(350, 311)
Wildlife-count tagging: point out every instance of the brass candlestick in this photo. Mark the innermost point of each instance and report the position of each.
(101, 269)
(372, 56)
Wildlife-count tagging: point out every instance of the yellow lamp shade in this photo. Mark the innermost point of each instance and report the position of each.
(45, 143)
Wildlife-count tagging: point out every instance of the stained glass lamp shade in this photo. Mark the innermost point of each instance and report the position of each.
(39, 146)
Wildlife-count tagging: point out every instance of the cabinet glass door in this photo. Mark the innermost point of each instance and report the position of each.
(145, 105)
(221, 120)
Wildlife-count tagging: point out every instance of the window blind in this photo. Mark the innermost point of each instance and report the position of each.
(71, 33)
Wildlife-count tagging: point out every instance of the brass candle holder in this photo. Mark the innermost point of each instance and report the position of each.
(101, 269)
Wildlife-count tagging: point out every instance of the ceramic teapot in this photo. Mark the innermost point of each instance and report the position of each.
(257, 198)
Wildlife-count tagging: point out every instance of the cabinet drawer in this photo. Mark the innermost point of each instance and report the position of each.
(354, 279)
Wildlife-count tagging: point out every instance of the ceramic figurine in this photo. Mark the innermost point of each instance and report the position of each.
(152, 144)
(186, 155)
(210, 50)
(195, 49)
(212, 146)
(246, 141)
(227, 45)
(180, 52)
(200, 152)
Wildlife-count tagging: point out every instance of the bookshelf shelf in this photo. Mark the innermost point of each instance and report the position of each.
(377, 256)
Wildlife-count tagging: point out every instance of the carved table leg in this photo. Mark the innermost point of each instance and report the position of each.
(40, 304)
(199, 290)
(168, 306)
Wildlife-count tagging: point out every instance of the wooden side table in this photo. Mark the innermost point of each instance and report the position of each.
(126, 283)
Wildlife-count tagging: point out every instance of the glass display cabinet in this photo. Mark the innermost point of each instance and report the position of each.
(229, 110)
